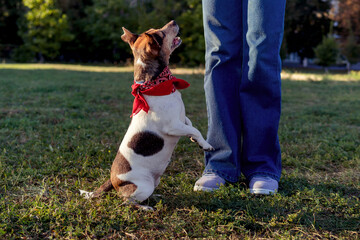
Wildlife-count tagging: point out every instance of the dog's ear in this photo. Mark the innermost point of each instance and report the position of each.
(128, 36)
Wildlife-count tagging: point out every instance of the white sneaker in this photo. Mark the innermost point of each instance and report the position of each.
(209, 182)
(263, 185)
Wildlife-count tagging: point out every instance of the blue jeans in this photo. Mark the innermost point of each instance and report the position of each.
(243, 86)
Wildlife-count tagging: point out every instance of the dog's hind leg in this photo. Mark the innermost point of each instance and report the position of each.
(135, 204)
(107, 186)
(133, 194)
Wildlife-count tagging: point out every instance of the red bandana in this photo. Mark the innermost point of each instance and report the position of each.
(164, 84)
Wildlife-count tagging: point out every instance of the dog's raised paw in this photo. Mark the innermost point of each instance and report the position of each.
(87, 195)
(208, 148)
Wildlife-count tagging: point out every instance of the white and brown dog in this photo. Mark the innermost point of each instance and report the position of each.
(158, 119)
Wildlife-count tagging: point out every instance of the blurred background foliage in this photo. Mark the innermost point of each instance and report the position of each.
(88, 31)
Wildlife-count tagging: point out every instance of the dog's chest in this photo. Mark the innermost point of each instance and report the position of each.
(166, 108)
(146, 143)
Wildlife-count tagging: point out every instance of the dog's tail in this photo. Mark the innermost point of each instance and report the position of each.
(106, 187)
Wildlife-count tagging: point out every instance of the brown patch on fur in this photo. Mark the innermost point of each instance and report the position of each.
(149, 72)
(120, 166)
(147, 45)
(107, 186)
(127, 188)
(146, 143)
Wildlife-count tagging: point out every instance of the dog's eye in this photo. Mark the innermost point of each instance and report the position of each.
(158, 39)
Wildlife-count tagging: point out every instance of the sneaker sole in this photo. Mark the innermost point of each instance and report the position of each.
(262, 191)
(204, 189)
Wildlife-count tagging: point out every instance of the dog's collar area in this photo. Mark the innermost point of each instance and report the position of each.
(164, 84)
(165, 75)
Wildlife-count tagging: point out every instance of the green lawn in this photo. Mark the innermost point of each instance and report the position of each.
(60, 130)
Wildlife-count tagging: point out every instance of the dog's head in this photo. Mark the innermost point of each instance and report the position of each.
(152, 49)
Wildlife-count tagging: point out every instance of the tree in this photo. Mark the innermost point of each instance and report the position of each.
(327, 52)
(306, 22)
(347, 15)
(80, 49)
(45, 28)
(192, 34)
(155, 13)
(103, 23)
(10, 11)
(351, 50)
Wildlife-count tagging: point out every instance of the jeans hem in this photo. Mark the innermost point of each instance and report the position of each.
(263, 174)
(222, 175)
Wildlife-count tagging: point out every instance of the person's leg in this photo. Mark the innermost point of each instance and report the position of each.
(223, 38)
(260, 91)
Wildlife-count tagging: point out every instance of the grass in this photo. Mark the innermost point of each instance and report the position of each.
(60, 128)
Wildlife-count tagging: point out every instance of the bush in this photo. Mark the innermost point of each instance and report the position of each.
(351, 49)
(192, 34)
(95, 28)
(104, 20)
(45, 28)
(23, 54)
(103, 23)
(327, 52)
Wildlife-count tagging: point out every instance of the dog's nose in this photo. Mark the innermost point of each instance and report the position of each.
(172, 22)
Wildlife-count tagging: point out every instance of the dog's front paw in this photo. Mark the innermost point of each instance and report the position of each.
(207, 147)
(87, 195)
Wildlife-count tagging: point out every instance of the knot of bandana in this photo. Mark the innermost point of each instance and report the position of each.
(164, 84)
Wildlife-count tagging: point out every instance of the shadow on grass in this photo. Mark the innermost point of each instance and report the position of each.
(325, 206)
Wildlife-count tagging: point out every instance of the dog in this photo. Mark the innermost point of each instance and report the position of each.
(158, 118)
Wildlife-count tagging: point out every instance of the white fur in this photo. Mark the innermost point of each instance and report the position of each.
(86, 194)
(167, 119)
(141, 63)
